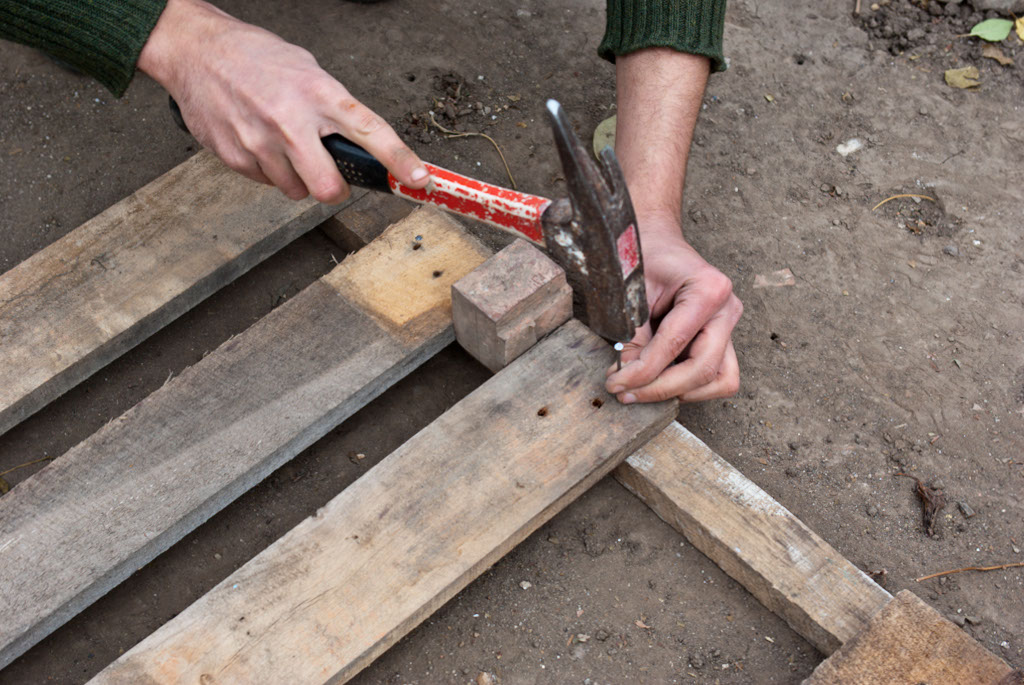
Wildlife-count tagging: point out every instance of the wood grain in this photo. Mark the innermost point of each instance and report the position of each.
(83, 301)
(325, 600)
(907, 643)
(115, 501)
(753, 538)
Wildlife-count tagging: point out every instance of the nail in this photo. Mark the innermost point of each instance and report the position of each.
(628, 398)
(419, 174)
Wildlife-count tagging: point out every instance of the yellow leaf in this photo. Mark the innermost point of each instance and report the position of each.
(995, 52)
(967, 77)
(1019, 25)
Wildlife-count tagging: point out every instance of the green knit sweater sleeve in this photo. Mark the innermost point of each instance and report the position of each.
(103, 38)
(693, 26)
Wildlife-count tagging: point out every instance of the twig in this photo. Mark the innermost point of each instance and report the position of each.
(1016, 564)
(467, 134)
(856, 9)
(923, 197)
(21, 466)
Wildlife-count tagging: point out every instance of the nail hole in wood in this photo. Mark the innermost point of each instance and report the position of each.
(437, 274)
(597, 402)
(417, 246)
(542, 412)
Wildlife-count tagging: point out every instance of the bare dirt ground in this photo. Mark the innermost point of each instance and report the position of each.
(899, 348)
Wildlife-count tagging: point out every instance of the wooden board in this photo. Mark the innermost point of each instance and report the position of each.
(116, 500)
(325, 600)
(764, 547)
(83, 301)
(907, 643)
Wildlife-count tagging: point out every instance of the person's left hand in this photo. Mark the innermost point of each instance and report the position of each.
(697, 311)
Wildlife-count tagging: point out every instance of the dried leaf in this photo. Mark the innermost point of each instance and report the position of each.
(996, 53)
(966, 77)
(5, 487)
(1019, 25)
(604, 134)
(641, 624)
(992, 30)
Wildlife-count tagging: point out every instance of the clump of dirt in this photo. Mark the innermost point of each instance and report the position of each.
(456, 104)
(912, 211)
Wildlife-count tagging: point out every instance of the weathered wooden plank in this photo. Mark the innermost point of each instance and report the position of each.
(116, 500)
(325, 600)
(756, 540)
(83, 301)
(907, 643)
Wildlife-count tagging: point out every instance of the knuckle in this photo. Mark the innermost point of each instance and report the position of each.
(330, 190)
(720, 286)
(706, 373)
(730, 386)
(368, 121)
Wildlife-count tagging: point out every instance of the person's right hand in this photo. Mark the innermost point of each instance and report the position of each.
(262, 104)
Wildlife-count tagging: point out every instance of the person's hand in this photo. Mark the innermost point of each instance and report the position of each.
(697, 311)
(262, 104)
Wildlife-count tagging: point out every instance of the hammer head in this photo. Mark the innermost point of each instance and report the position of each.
(593, 235)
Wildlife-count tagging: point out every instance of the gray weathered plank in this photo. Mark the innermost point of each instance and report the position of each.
(86, 299)
(116, 500)
(340, 588)
(753, 538)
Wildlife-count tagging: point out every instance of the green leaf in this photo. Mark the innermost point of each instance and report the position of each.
(5, 487)
(993, 30)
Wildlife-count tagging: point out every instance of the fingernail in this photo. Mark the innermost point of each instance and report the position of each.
(628, 398)
(616, 389)
(419, 174)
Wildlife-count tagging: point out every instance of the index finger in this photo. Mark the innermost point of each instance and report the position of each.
(365, 127)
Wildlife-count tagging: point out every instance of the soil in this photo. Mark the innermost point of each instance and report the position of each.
(899, 349)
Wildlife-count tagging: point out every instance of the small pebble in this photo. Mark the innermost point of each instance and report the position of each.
(973, 620)
(872, 510)
(526, 585)
(966, 509)
(951, 250)
(957, 619)
(937, 484)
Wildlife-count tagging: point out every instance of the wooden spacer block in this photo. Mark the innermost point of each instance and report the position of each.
(508, 303)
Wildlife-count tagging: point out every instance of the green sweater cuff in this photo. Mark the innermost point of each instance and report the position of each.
(103, 38)
(693, 26)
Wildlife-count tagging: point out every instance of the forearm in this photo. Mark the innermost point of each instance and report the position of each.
(659, 97)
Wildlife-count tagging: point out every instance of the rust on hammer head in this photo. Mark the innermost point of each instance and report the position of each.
(588, 232)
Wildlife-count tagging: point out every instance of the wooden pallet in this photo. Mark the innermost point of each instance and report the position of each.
(306, 367)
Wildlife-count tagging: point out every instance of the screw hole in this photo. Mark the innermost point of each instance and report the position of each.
(410, 77)
(542, 412)
(416, 246)
(437, 274)
(597, 402)
(774, 336)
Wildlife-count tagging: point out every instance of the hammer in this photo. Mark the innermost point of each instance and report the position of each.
(592, 234)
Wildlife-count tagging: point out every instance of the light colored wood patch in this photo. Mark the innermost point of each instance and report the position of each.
(397, 282)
